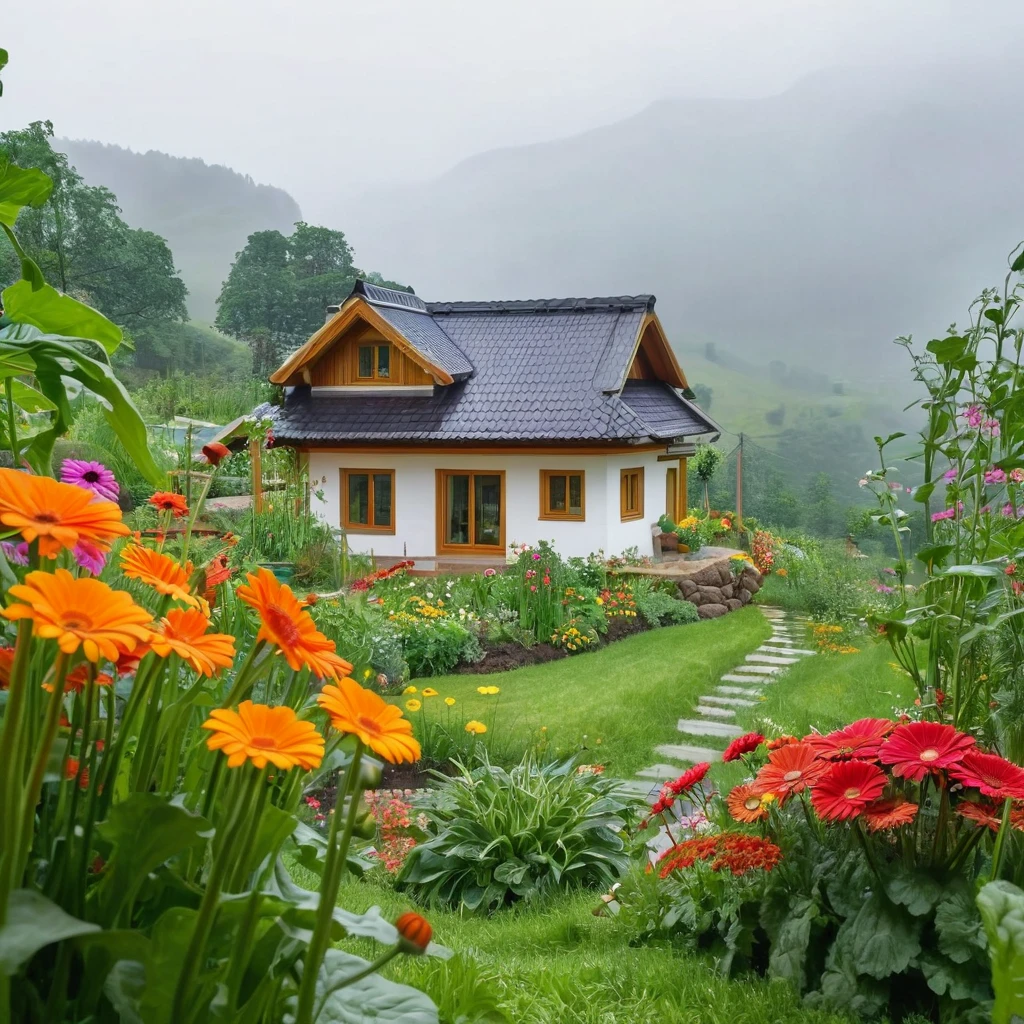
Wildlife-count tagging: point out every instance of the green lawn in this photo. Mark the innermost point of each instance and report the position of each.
(613, 706)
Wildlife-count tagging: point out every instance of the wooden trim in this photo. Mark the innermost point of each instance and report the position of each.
(439, 510)
(674, 374)
(455, 448)
(627, 514)
(672, 493)
(356, 308)
(367, 527)
(683, 505)
(545, 492)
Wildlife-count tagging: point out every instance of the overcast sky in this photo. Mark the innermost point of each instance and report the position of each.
(323, 96)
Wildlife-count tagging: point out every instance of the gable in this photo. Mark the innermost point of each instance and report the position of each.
(653, 358)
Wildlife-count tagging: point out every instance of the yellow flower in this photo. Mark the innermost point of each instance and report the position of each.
(413, 705)
(429, 691)
(410, 689)
(450, 701)
(488, 690)
(599, 601)
(543, 728)
(767, 798)
(476, 728)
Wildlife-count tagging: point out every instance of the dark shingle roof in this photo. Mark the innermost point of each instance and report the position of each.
(545, 370)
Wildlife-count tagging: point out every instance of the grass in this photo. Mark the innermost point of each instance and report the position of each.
(616, 704)
(556, 961)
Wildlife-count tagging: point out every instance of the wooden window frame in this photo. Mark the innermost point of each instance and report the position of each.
(627, 514)
(546, 512)
(369, 527)
(375, 347)
(439, 511)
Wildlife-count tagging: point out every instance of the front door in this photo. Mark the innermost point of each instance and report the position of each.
(470, 511)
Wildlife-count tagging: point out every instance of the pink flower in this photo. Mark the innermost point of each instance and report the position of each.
(15, 554)
(992, 426)
(883, 589)
(951, 474)
(530, 573)
(90, 557)
(490, 572)
(91, 476)
(862, 482)
(984, 510)
(1017, 475)
(536, 557)
(893, 486)
(950, 513)
(995, 476)
(533, 587)
(973, 416)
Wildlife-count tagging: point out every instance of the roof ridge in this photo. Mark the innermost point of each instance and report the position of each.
(596, 304)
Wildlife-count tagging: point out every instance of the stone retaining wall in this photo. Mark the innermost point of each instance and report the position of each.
(716, 591)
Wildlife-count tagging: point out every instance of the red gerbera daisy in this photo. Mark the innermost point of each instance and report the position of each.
(917, 748)
(984, 812)
(847, 788)
(782, 741)
(886, 814)
(742, 745)
(992, 774)
(690, 778)
(859, 739)
(790, 769)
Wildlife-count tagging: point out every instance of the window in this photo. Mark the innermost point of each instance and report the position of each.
(561, 494)
(374, 362)
(470, 511)
(631, 494)
(368, 500)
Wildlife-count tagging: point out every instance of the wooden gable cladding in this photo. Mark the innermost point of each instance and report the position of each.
(338, 364)
(653, 358)
(354, 317)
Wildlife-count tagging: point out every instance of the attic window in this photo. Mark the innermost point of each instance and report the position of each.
(374, 362)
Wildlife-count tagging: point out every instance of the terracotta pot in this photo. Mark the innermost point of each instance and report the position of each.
(669, 542)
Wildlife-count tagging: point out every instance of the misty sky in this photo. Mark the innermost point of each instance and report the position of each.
(320, 97)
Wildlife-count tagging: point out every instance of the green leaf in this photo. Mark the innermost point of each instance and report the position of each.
(124, 987)
(1002, 911)
(29, 399)
(934, 554)
(788, 958)
(1018, 264)
(955, 980)
(884, 938)
(372, 999)
(958, 926)
(918, 891)
(892, 437)
(51, 311)
(979, 570)
(20, 187)
(946, 350)
(995, 315)
(33, 922)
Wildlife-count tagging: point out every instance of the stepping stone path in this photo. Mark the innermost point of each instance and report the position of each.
(705, 735)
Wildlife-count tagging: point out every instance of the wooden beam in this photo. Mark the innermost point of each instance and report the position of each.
(256, 457)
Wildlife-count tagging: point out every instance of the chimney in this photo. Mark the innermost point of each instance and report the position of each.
(331, 310)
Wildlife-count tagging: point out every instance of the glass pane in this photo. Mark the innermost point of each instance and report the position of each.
(383, 360)
(365, 361)
(487, 510)
(456, 523)
(358, 498)
(381, 499)
(556, 493)
(576, 495)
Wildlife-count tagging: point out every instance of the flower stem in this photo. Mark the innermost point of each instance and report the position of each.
(12, 426)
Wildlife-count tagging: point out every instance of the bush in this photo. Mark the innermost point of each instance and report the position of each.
(657, 608)
(433, 647)
(498, 837)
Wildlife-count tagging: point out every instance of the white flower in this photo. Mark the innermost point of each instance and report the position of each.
(862, 482)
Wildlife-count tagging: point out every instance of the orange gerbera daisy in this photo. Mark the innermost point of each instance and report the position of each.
(745, 804)
(168, 502)
(82, 613)
(790, 769)
(78, 677)
(182, 631)
(57, 515)
(285, 623)
(159, 571)
(264, 735)
(377, 723)
(886, 814)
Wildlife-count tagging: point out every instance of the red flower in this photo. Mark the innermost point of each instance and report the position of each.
(744, 803)
(740, 853)
(984, 812)
(885, 814)
(847, 789)
(918, 748)
(860, 739)
(168, 502)
(690, 778)
(790, 769)
(782, 741)
(992, 774)
(215, 452)
(742, 745)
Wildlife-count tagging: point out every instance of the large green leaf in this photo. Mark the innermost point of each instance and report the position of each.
(947, 350)
(958, 925)
(883, 938)
(29, 399)
(1002, 910)
(788, 956)
(19, 187)
(42, 306)
(918, 891)
(33, 922)
(372, 999)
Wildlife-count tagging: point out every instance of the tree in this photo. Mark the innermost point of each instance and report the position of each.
(822, 514)
(705, 462)
(702, 396)
(83, 247)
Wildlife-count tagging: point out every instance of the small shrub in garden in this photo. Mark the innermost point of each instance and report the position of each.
(497, 837)
(571, 638)
(657, 608)
(433, 643)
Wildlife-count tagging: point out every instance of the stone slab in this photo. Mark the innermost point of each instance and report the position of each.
(702, 727)
(735, 690)
(638, 787)
(759, 670)
(660, 772)
(712, 712)
(689, 752)
(735, 677)
(770, 659)
(802, 651)
(732, 702)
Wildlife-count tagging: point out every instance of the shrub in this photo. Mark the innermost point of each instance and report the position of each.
(433, 647)
(572, 638)
(498, 837)
(657, 608)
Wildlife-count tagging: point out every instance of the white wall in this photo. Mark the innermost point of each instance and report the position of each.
(415, 504)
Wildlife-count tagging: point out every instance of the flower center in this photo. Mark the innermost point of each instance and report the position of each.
(369, 724)
(752, 803)
(76, 620)
(46, 517)
(263, 742)
(930, 754)
(852, 793)
(792, 776)
(91, 476)
(283, 625)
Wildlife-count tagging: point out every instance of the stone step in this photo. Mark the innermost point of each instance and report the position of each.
(782, 641)
(802, 651)
(749, 691)
(702, 727)
(770, 659)
(733, 677)
(759, 670)
(660, 772)
(638, 787)
(713, 712)
(732, 702)
(688, 752)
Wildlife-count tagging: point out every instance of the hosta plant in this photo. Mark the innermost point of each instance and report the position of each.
(498, 836)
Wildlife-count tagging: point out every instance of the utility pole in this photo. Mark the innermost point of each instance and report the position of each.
(739, 485)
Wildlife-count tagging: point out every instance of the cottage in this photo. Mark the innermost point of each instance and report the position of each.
(439, 429)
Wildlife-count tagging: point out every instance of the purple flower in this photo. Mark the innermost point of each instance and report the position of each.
(995, 476)
(15, 555)
(93, 476)
(951, 474)
(883, 589)
(89, 557)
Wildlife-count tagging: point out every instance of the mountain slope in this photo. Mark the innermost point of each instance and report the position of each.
(205, 211)
(856, 206)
